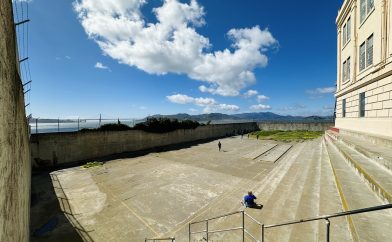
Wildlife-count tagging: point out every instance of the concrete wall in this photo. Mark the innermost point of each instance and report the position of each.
(58, 148)
(285, 126)
(14, 145)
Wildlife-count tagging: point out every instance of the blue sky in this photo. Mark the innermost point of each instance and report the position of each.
(120, 58)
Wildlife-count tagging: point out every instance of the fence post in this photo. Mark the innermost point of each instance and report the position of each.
(78, 124)
(262, 233)
(328, 229)
(36, 125)
(207, 230)
(58, 125)
(243, 226)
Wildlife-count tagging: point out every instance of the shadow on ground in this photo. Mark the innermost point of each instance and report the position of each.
(47, 221)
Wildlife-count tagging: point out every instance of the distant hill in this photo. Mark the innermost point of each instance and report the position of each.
(261, 116)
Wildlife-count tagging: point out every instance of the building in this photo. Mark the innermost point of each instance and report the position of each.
(364, 61)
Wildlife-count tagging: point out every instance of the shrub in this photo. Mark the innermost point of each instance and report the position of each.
(163, 125)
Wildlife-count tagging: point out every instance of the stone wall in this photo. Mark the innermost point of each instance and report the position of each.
(14, 145)
(59, 148)
(286, 126)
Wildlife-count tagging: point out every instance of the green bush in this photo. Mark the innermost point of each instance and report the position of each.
(163, 125)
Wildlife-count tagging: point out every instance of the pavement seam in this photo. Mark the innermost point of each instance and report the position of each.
(131, 210)
(353, 229)
(219, 199)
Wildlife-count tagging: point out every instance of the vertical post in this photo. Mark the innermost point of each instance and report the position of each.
(262, 233)
(243, 226)
(328, 229)
(207, 230)
(78, 123)
(58, 125)
(36, 125)
(189, 229)
(99, 120)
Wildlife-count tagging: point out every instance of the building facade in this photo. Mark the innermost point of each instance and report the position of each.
(364, 64)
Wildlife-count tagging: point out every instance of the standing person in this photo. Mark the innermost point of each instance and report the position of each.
(219, 145)
(257, 136)
(249, 201)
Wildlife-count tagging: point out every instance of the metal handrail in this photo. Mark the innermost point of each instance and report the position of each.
(351, 212)
(263, 227)
(213, 218)
(160, 239)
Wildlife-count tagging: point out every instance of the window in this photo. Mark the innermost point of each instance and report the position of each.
(366, 6)
(362, 104)
(369, 51)
(348, 69)
(366, 53)
(362, 57)
(344, 108)
(347, 32)
(344, 71)
(348, 29)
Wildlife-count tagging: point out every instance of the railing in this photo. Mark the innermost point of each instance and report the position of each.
(242, 228)
(264, 227)
(160, 239)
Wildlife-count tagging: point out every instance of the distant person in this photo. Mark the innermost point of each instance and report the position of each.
(248, 135)
(257, 136)
(242, 135)
(249, 201)
(219, 146)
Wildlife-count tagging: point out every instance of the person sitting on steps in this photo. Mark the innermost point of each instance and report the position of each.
(249, 201)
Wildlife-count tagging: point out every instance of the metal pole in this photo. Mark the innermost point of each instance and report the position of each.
(207, 230)
(36, 125)
(262, 233)
(328, 229)
(58, 125)
(243, 226)
(189, 229)
(78, 124)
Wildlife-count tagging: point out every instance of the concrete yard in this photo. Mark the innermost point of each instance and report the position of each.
(158, 194)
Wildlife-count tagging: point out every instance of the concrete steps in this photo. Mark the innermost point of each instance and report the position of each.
(373, 226)
(376, 176)
(382, 154)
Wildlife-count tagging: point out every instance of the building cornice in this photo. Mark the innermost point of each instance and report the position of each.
(344, 11)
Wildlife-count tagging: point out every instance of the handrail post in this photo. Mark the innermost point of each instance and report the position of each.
(189, 229)
(262, 233)
(243, 226)
(328, 223)
(207, 230)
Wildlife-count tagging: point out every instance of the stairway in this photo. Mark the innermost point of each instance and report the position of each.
(361, 182)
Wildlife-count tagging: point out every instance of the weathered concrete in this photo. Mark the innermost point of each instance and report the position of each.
(14, 144)
(286, 126)
(60, 148)
(160, 193)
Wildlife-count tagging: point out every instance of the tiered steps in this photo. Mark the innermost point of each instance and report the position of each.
(355, 193)
(381, 154)
(376, 176)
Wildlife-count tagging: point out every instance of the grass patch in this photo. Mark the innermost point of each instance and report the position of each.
(288, 136)
(92, 164)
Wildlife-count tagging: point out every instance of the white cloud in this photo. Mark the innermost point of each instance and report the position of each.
(67, 57)
(250, 93)
(209, 104)
(322, 90)
(259, 107)
(99, 65)
(192, 110)
(326, 107)
(221, 107)
(172, 45)
(180, 99)
(262, 98)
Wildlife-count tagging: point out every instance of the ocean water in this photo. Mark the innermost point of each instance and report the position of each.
(71, 126)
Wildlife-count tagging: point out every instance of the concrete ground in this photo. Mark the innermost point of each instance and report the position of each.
(158, 194)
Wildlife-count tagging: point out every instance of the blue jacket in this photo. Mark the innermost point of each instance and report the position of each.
(249, 199)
